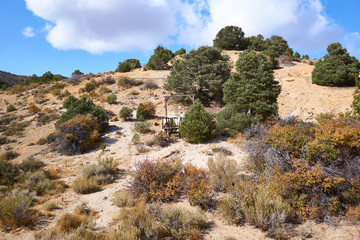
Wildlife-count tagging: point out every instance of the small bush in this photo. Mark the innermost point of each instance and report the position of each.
(126, 113)
(8, 173)
(145, 110)
(90, 86)
(177, 223)
(198, 125)
(16, 212)
(111, 99)
(9, 155)
(197, 187)
(34, 109)
(140, 112)
(223, 172)
(109, 80)
(124, 199)
(41, 183)
(127, 82)
(138, 222)
(31, 165)
(161, 180)
(50, 206)
(78, 135)
(85, 185)
(142, 127)
(103, 90)
(10, 108)
(135, 139)
(134, 93)
(83, 106)
(69, 222)
(149, 84)
(16, 128)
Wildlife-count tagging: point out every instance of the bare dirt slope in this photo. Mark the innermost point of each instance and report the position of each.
(298, 97)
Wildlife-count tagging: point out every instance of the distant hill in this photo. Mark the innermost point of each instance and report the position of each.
(11, 79)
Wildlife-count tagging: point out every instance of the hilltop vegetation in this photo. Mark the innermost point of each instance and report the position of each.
(72, 170)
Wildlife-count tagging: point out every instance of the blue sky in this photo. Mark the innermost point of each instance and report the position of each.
(93, 36)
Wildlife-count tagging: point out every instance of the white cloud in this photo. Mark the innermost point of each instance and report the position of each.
(28, 32)
(302, 22)
(106, 25)
(352, 43)
(119, 25)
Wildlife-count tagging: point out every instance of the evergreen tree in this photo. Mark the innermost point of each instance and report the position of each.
(337, 69)
(198, 125)
(159, 60)
(230, 38)
(253, 89)
(201, 72)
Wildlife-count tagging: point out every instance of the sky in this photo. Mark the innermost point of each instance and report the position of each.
(95, 35)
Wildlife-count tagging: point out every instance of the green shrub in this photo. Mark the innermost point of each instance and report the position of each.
(142, 127)
(78, 134)
(16, 212)
(10, 108)
(128, 65)
(145, 110)
(83, 106)
(337, 69)
(126, 113)
(159, 60)
(111, 99)
(140, 112)
(198, 125)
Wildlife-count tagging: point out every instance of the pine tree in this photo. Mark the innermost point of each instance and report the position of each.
(198, 125)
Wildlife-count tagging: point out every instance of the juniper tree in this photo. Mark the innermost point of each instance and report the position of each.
(337, 68)
(201, 72)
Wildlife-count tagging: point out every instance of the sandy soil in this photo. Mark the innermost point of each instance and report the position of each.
(298, 97)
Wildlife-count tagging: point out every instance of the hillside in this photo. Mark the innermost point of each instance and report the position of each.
(11, 79)
(298, 97)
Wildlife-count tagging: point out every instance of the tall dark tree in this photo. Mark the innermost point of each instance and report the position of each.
(337, 68)
(253, 89)
(230, 38)
(159, 60)
(257, 43)
(201, 72)
(277, 45)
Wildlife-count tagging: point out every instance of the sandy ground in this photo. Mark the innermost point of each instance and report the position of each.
(298, 97)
